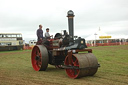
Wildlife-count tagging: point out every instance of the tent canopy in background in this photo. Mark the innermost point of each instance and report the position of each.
(96, 36)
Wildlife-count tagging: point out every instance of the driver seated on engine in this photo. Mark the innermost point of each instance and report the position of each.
(47, 35)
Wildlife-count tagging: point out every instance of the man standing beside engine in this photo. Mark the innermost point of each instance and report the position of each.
(39, 34)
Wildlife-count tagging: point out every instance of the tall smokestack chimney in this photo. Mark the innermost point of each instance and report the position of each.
(70, 15)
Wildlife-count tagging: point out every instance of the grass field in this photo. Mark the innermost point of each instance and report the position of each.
(16, 68)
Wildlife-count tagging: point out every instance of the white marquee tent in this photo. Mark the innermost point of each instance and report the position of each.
(96, 35)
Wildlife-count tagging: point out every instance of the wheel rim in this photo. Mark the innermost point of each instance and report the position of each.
(36, 63)
(72, 73)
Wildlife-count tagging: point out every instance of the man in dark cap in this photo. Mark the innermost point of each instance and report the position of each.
(40, 34)
(47, 35)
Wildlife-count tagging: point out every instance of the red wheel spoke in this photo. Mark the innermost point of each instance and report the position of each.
(72, 72)
(77, 70)
(39, 54)
(72, 62)
(76, 63)
(37, 63)
(40, 63)
(40, 57)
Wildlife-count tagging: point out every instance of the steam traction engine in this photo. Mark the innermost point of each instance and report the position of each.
(65, 51)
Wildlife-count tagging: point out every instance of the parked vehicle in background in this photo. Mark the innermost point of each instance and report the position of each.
(11, 41)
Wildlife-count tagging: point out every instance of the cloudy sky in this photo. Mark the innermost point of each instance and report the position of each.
(24, 16)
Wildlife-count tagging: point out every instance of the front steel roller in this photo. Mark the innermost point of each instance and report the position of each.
(86, 63)
(39, 58)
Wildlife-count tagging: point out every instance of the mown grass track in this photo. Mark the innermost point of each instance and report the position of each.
(16, 68)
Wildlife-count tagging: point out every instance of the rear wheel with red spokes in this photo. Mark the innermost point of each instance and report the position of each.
(39, 58)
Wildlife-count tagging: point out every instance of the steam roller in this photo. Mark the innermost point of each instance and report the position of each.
(65, 51)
